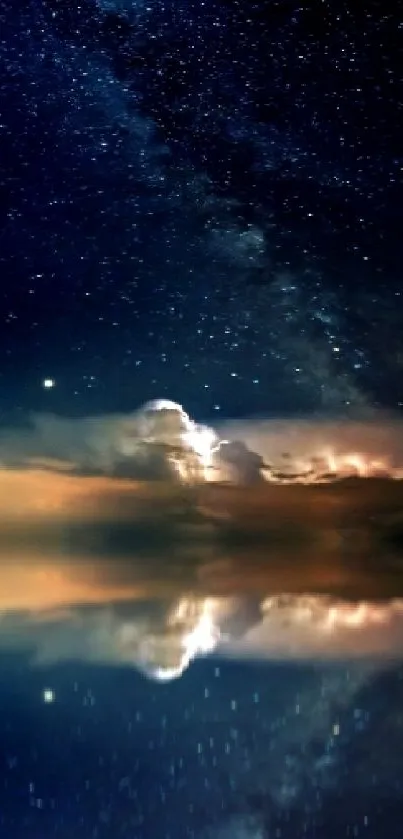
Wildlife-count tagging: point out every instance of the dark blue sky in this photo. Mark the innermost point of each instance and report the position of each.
(201, 203)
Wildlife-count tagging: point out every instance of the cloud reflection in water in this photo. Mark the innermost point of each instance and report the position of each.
(99, 565)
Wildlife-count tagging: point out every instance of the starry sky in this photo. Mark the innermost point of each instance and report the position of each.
(200, 201)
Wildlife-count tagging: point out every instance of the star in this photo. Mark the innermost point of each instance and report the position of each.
(48, 696)
(48, 384)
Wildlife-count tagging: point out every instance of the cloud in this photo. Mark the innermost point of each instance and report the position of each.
(161, 441)
(322, 628)
(111, 531)
(297, 445)
(161, 637)
(135, 443)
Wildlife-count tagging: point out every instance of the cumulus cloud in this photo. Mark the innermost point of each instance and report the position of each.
(319, 444)
(161, 441)
(145, 444)
(162, 637)
(321, 628)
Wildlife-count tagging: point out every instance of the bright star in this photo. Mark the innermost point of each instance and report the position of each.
(48, 383)
(48, 696)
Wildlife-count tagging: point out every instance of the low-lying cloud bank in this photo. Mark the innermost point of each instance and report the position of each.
(161, 441)
(162, 638)
(78, 580)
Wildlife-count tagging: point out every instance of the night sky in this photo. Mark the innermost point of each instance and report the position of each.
(200, 201)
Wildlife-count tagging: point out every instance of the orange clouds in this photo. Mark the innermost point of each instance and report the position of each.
(30, 583)
(74, 539)
(38, 493)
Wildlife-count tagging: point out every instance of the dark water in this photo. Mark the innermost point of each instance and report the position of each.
(233, 750)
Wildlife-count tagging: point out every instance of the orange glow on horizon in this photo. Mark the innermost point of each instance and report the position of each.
(39, 569)
(36, 585)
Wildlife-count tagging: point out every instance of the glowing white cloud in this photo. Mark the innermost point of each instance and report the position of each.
(320, 627)
(200, 633)
(198, 452)
(162, 645)
(161, 441)
(317, 449)
(193, 446)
